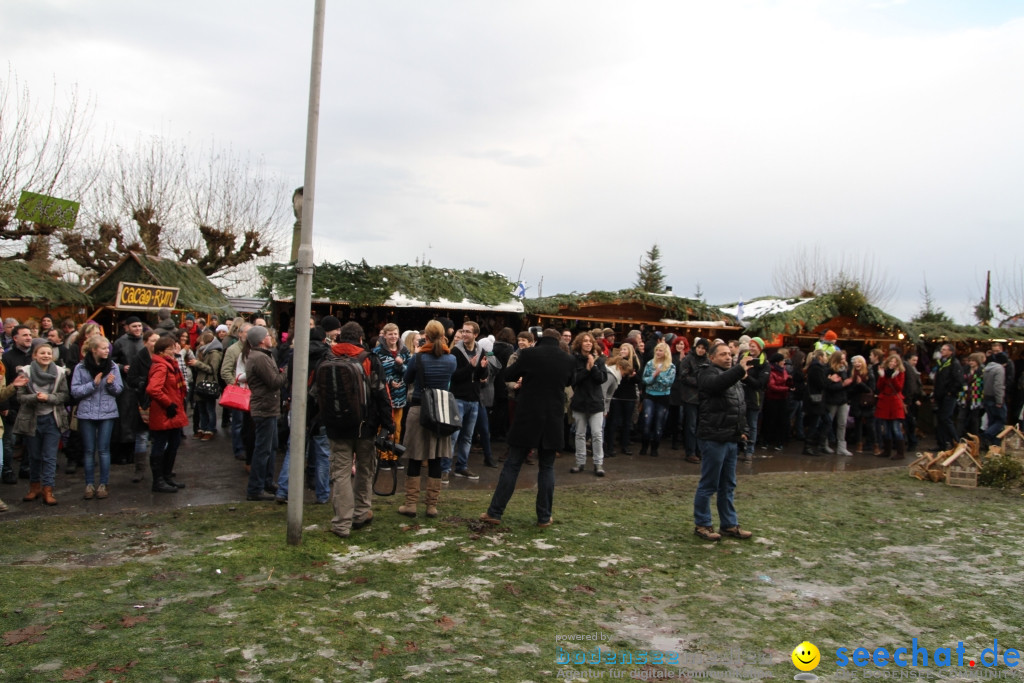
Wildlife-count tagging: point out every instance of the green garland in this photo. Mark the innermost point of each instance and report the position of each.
(675, 307)
(360, 284)
(805, 317)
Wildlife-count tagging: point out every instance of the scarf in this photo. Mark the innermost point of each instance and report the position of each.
(429, 347)
(93, 367)
(43, 380)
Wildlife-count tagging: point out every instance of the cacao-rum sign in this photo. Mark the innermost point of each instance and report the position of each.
(132, 296)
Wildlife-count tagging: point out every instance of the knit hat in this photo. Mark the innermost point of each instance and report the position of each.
(223, 328)
(190, 317)
(487, 344)
(830, 336)
(776, 358)
(759, 342)
(36, 343)
(256, 335)
(744, 340)
(1001, 358)
(330, 323)
(701, 341)
(131, 320)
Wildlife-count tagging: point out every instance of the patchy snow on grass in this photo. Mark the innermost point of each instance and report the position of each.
(539, 544)
(402, 555)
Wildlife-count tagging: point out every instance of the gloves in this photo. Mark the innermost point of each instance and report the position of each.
(171, 410)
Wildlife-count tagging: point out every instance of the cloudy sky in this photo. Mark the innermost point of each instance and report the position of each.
(573, 135)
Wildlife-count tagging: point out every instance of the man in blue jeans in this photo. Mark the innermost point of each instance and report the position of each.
(470, 369)
(722, 425)
(265, 380)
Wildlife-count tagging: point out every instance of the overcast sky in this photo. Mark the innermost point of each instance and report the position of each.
(575, 134)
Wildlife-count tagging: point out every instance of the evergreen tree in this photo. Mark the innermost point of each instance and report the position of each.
(929, 313)
(650, 277)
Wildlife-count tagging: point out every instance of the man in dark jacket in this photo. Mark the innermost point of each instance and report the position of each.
(948, 381)
(722, 425)
(128, 345)
(353, 504)
(689, 369)
(540, 375)
(754, 385)
(265, 380)
(20, 354)
(470, 370)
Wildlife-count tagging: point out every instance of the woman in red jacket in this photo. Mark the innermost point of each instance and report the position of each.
(889, 408)
(166, 388)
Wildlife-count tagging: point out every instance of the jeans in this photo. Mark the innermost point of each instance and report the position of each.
(237, 444)
(462, 439)
(261, 472)
(142, 441)
(996, 419)
(207, 409)
(945, 431)
(620, 420)
(42, 450)
(510, 474)
(319, 448)
(483, 429)
(717, 475)
(352, 500)
(796, 417)
(596, 423)
(892, 430)
(96, 437)
(753, 414)
(655, 415)
(165, 450)
(689, 421)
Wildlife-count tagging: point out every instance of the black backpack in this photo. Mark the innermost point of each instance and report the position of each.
(343, 392)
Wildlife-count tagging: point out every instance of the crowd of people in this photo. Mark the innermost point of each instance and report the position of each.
(540, 391)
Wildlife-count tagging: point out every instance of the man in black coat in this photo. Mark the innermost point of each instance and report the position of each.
(949, 378)
(541, 374)
(722, 424)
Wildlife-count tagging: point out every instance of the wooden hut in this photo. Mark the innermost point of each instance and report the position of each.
(28, 293)
(194, 293)
(409, 296)
(629, 308)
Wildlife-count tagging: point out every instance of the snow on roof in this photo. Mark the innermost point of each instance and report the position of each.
(761, 307)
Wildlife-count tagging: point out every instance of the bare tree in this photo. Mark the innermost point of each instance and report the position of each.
(812, 273)
(45, 153)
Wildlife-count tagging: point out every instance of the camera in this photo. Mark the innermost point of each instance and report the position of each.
(382, 443)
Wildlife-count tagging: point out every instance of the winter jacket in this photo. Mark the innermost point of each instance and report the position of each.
(166, 388)
(265, 381)
(660, 385)
(96, 401)
(379, 413)
(755, 382)
(393, 372)
(25, 422)
(689, 367)
(208, 369)
(835, 392)
(436, 373)
(587, 385)
(995, 382)
(126, 348)
(890, 395)
(229, 362)
(817, 377)
(467, 377)
(779, 382)
(948, 379)
(723, 411)
(546, 370)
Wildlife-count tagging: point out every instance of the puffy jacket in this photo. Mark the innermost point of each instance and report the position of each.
(229, 362)
(25, 422)
(96, 402)
(689, 367)
(723, 411)
(995, 382)
(778, 384)
(166, 387)
(588, 385)
(948, 378)
(208, 369)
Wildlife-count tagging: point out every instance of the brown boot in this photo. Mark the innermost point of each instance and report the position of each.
(412, 496)
(886, 449)
(433, 495)
(35, 490)
(900, 450)
(48, 496)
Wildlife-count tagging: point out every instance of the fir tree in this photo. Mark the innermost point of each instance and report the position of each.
(650, 277)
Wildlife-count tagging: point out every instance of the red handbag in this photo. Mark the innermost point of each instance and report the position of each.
(236, 397)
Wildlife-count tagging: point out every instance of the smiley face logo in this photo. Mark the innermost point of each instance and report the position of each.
(806, 656)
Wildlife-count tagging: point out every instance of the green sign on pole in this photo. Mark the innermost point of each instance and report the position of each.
(44, 210)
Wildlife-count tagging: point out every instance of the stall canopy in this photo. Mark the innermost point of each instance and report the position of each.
(21, 285)
(196, 292)
(630, 307)
(846, 313)
(400, 286)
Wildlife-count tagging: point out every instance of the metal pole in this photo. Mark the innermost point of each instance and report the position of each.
(304, 291)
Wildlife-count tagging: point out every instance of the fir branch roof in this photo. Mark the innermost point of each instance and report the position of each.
(677, 307)
(196, 293)
(805, 317)
(936, 332)
(19, 282)
(360, 284)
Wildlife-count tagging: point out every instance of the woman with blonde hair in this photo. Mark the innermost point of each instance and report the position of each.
(96, 383)
(393, 357)
(659, 374)
(620, 415)
(889, 410)
(587, 403)
(862, 403)
(837, 401)
(431, 368)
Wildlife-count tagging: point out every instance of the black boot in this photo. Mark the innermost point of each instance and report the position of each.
(23, 472)
(156, 466)
(625, 448)
(654, 449)
(643, 446)
(811, 447)
(168, 475)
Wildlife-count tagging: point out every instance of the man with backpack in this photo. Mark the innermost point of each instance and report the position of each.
(353, 397)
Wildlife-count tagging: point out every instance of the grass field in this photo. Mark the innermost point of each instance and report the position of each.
(844, 560)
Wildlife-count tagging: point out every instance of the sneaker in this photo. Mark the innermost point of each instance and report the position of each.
(466, 474)
(90, 492)
(444, 477)
(487, 519)
(692, 458)
(207, 436)
(776, 448)
(736, 532)
(545, 525)
(101, 491)
(280, 501)
(575, 469)
(707, 533)
(365, 521)
(599, 472)
(198, 434)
